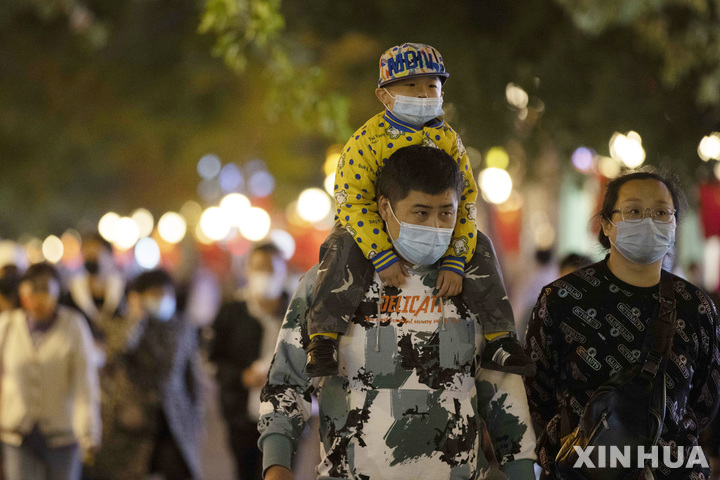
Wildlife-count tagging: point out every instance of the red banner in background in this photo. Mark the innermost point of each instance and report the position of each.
(507, 225)
(710, 208)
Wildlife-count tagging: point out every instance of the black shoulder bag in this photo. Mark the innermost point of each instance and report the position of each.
(625, 413)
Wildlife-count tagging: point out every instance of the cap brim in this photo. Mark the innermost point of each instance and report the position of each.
(443, 77)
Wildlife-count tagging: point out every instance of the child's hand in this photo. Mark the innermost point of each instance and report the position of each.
(449, 283)
(394, 275)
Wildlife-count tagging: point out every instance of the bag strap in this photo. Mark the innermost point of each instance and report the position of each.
(661, 328)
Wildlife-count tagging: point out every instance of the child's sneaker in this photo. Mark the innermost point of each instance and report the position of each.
(505, 354)
(322, 357)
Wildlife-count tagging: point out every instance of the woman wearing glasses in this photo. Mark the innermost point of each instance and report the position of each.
(591, 324)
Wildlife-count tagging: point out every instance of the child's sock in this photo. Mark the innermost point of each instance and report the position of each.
(334, 336)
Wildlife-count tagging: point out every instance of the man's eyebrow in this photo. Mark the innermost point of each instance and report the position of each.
(419, 205)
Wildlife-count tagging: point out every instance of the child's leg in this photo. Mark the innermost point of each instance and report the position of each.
(343, 277)
(483, 289)
(484, 292)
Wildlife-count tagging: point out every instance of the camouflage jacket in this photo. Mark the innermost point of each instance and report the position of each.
(407, 403)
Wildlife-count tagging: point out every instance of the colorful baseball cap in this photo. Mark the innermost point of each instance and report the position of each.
(411, 60)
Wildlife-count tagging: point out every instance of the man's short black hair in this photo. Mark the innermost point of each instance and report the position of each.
(428, 170)
(40, 272)
(266, 247)
(152, 279)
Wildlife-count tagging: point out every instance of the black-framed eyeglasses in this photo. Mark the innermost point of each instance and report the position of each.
(658, 215)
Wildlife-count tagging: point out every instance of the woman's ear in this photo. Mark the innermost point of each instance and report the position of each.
(606, 226)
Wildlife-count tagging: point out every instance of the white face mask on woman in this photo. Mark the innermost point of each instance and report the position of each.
(644, 242)
(415, 110)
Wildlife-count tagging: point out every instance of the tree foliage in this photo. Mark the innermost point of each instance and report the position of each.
(108, 104)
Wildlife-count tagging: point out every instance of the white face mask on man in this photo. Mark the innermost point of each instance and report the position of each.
(415, 110)
(419, 244)
(265, 285)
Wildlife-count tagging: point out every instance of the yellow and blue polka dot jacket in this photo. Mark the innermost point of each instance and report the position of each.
(364, 154)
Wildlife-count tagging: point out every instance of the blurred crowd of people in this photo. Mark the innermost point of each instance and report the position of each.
(103, 375)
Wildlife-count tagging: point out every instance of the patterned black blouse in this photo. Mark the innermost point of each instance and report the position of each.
(589, 325)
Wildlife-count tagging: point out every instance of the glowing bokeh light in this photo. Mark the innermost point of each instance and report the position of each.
(234, 206)
(172, 227)
(147, 253)
(284, 241)
(209, 166)
(582, 159)
(209, 190)
(33, 250)
(261, 183)
(106, 225)
(329, 184)
(52, 249)
(231, 178)
(516, 96)
(144, 220)
(201, 237)
(627, 149)
(126, 233)
(495, 184)
(608, 167)
(497, 157)
(191, 212)
(215, 224)
(313, 205)
(709, 147)
(255, 225)
(716, 170)
(331, 162)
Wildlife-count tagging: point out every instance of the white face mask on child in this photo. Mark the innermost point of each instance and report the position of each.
(416, 111)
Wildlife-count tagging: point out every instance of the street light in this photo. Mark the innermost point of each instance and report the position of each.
(215, 224)
(126, 233)
(52, 249)
(255, 225)
(627, 149)
(106, 225)
(313, 205)
(144, 220)
(709, 147)
(495, 184)
(172, 227)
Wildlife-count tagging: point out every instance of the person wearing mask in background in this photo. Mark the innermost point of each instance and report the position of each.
(151, 382)
(591, 324)
(49, 396)
(98, 290)
(244, 334)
